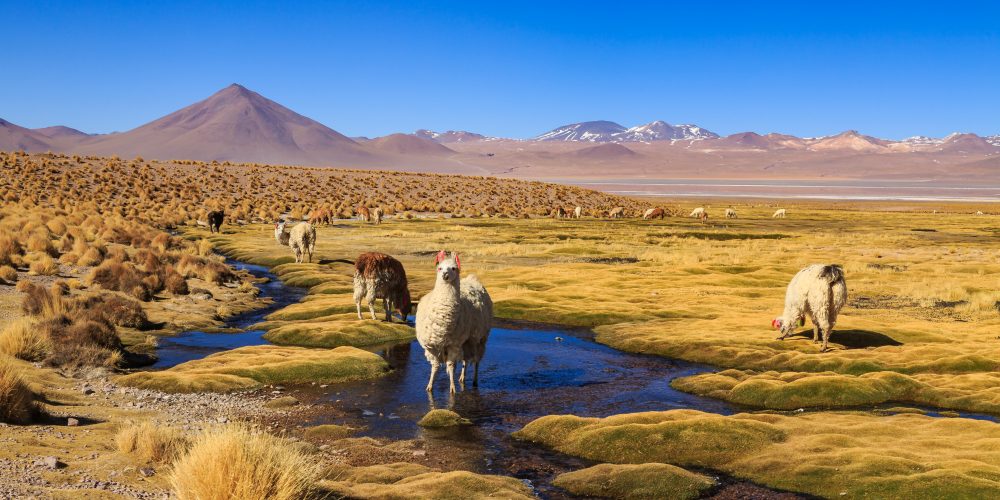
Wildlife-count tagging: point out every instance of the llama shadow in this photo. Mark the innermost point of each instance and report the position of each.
(855, 339)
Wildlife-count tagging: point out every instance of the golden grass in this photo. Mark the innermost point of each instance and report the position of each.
(17, 401)
(830, 454)
(150, 442)
(22, 339)
(634, 482)
(250, 367)
(240, 462)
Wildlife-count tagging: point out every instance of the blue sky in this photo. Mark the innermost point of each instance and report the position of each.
(514, 69)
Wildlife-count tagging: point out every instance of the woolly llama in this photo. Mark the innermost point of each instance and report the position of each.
(453, 320)
(379, 276)
(818, 290)
(779, 214)
(577, 212)
(301, 239)
(730, 213)
(617, 212)
(377, 214)
(698, 213)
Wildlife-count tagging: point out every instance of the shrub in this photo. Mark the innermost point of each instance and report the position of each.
(87, 342)
(90, 257)
(8, 274)
(17, 402)
(175, 283)
(40, 242)
(21, 339)
(10, 250)
(123, 277)
(121, 311)
(240, 462)
(38, 301)
(43, 265)
(147, 442)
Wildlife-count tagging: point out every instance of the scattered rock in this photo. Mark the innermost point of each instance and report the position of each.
(147, 471)
(72, 422)
(52, 463)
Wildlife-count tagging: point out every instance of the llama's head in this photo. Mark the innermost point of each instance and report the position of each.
(404, 306)
(279, 228)
(448, 267)
(785, 326)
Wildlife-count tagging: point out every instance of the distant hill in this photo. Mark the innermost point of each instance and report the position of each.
(233, 124)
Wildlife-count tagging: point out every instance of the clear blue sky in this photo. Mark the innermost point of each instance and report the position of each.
(511, 68)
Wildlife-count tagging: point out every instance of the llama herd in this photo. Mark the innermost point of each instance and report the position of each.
(453, 320)
(652, 213)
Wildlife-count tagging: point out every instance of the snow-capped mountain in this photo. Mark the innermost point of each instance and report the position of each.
(922, 140)
(606, 131)
(993, 139)
(595, 131)
(663, 131)
(450, 136)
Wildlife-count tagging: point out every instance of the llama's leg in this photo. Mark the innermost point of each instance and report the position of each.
(371, 303)
(357, 302)
(387, 306)
(826, 338)
(475, 375)
(450, 366)
(461, 376)
(434, 369)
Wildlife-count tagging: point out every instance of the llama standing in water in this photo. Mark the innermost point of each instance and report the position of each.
(453, 320)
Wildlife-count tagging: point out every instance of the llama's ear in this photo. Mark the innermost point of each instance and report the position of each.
(440, 256)
(457, 262)
(776, 323)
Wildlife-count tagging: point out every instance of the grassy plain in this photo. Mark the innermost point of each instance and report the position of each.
(921, 328)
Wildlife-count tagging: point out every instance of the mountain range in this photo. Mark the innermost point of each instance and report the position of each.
(239, 125)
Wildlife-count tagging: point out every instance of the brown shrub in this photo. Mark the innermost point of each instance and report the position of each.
(90, 257)
(120, 311)
(175, 283)
(38, 301)
(43, 265)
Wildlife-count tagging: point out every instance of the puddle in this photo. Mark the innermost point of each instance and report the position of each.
(192, 345)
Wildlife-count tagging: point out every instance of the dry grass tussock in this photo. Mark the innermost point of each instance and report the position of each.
(17, 401)
(241, 462)
(150, 442)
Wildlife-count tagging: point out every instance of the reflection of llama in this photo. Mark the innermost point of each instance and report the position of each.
(453, 320)
(301, 239)
(818, 290)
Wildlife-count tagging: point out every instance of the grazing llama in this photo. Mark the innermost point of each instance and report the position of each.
(779, 214)
(379, 276)
(730, 213)
(818, 290)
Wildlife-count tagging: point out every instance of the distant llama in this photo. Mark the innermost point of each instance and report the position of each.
(779, 214)
(654, 213)
(617, 212)
(697, 213)
(215, 218)
(730, 213)
(301, 239)
(364, 214)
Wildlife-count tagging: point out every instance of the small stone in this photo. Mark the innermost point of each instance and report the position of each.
(50, 463)
(222, 420)
(87, 391)
(147, 471)
(72, 422)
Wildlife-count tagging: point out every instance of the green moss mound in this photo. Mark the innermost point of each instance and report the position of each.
(634, 482)
(442, 418)
(329, 432)
(457, 485)
(335, 331)
(688, 437)
(251, 367)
